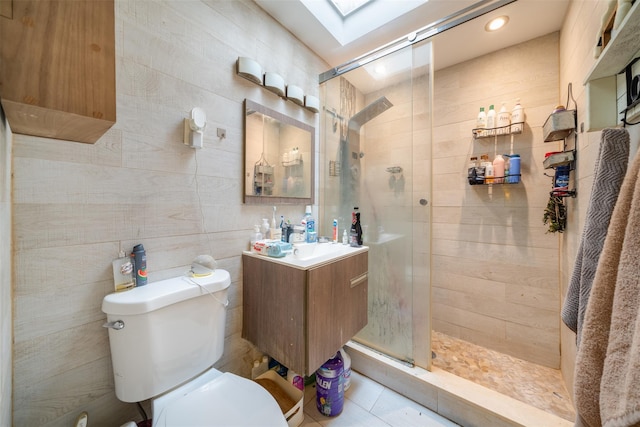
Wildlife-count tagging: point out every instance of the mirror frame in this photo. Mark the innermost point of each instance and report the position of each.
(283, 118)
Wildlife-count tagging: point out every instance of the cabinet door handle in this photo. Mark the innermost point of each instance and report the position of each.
(358, 280)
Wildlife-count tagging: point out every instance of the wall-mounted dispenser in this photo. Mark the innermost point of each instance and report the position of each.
(194, 128)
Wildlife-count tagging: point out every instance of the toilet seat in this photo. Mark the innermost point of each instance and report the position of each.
(218, 399)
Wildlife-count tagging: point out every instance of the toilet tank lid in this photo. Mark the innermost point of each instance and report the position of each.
(163, 293)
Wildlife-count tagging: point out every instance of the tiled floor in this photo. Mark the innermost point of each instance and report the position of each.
(533, 384)
(368, 403)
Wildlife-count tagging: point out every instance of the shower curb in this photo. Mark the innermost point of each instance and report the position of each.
(460, 400)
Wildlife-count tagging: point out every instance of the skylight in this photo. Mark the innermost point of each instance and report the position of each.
(372, 14)
(345, 7)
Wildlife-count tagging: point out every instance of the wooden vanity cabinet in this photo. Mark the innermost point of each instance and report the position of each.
(301, 317)
(57, 67)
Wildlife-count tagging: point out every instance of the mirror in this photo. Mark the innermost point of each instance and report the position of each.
(278, 157)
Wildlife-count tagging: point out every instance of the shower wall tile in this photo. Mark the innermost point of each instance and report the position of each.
(495, 270)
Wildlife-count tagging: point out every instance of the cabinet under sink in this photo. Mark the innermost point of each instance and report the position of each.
(301, 313)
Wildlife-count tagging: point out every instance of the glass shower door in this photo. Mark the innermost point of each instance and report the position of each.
(377, 152)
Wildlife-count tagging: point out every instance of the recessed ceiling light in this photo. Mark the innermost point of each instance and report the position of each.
(496, 23)
(380, 69)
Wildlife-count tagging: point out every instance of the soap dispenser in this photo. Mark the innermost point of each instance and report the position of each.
(265, 228)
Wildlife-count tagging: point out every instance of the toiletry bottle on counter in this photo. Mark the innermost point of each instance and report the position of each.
(139, 258)
(264, 229)
(310, 225)
(345, 238)
(255, 236)
(355, 236)
(335, 231)
(275, 232)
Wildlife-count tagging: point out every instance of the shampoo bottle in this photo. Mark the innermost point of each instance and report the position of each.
(514, 168)
(504, 120)
(498, 169)
(491, 118)
(139, 258)
(481, 121)
(335, 231)
(517, 117)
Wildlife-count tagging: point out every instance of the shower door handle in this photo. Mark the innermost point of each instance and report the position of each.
(423, 202)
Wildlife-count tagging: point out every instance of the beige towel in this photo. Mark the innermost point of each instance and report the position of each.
(607, 372)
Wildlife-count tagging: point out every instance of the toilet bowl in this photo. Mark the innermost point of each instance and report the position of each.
(164, 339)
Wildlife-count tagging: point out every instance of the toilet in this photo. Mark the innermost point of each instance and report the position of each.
(165, 338)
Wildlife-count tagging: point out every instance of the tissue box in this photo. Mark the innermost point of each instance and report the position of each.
(286, 394)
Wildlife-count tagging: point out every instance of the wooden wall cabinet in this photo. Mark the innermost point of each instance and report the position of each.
(57, 67)
(301, 317)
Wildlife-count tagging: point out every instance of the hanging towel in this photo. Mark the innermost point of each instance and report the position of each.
(607, 371)
(610, 168)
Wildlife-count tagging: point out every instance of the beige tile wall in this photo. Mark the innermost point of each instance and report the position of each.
(577, 41)
(6, 272)
(77, 205)
(495, 271)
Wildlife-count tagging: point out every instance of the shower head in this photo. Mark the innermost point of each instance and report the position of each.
(372, 110)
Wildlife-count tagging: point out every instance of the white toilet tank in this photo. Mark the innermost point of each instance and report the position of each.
(173, 331)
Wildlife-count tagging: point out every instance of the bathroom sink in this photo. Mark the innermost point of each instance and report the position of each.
(307, 255)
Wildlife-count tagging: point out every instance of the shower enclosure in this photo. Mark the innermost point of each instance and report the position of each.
(376, 132)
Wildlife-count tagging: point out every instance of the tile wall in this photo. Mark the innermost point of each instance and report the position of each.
(76, 205)
(577, 43)
(494, 267)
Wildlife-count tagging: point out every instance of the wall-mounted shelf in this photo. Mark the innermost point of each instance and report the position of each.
(506, 180)
(559, 126)
(559, 159)
(601, 81)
